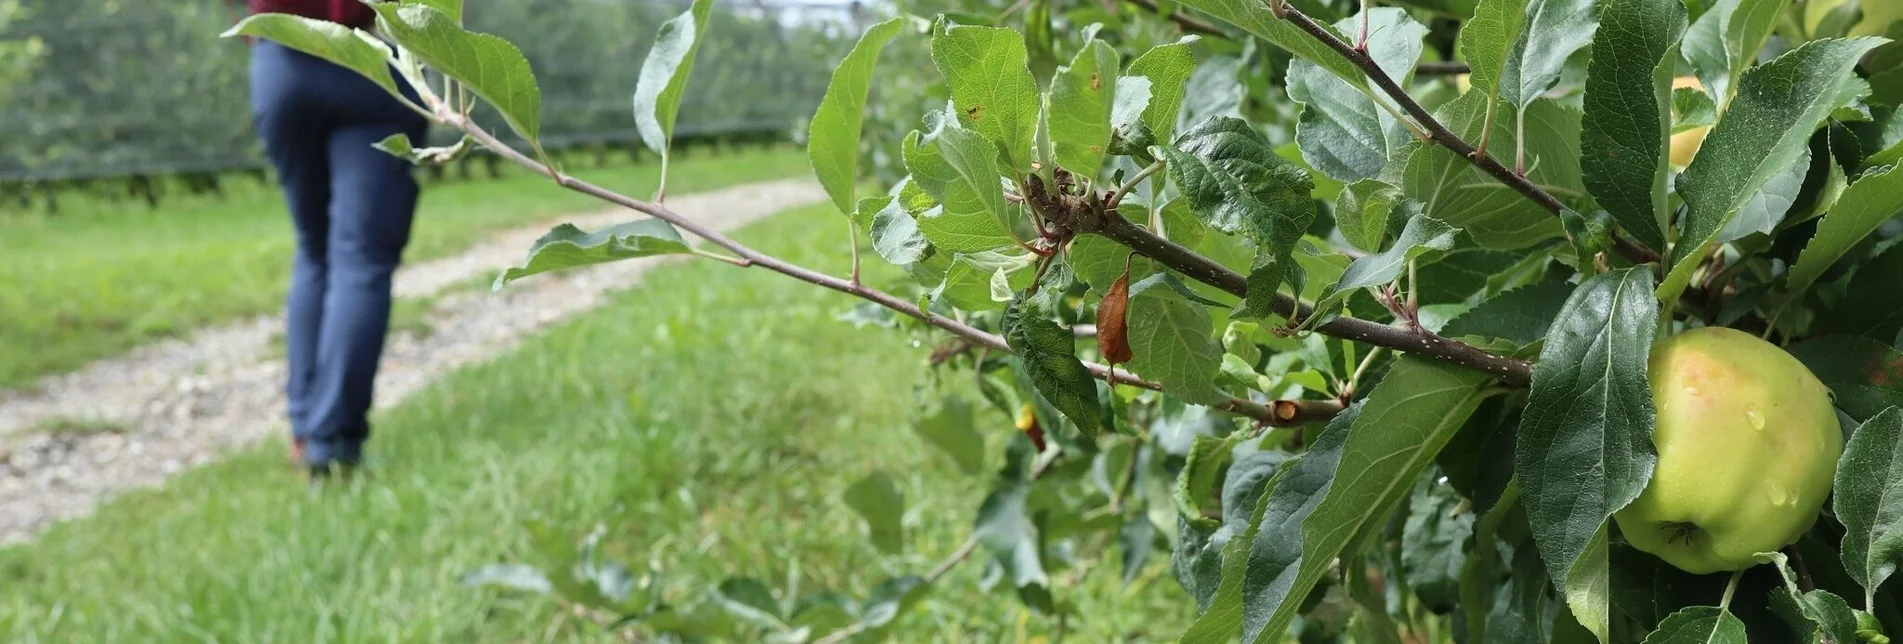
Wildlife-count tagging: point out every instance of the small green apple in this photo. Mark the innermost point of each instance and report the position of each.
(1748, 445)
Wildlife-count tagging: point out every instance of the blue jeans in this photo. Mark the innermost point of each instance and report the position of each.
(351, 208)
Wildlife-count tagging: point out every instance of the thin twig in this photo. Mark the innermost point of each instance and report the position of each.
(1439, 133)
(1117, 196)
(1513, 372)
(1291, 413)
(1348, 390)
(756, 258)
(852, 235)
(1804, 582)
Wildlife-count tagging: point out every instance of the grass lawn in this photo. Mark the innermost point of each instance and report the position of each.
(100, 278)
(709, 420)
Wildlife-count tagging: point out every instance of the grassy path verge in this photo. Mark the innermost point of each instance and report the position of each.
(708, 419)
(99, 278)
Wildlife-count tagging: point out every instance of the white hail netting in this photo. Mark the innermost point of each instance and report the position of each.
(133, 87)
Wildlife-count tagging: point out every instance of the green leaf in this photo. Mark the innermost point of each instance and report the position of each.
(1433, 541)
(1297, 486)
(1197, 483)
(1255, 17)
(330, 41)
(1098, 261)
(398, 145)
(1868, 307)
(891, 598)
(1765, 210)
(1180, 224)
(750, 601)
(1778, 105)
(1347, 489)
(1081, 97)
(1422, 234)
(991, 85)
(1236, 183)
(1150, 95)
(1468, 275)
(1699, 625)
(1864, 376)
(1726, 39)
(1624, 148)
(1827, 613)
(1588, 234)
(895, 233)
(960, 169)
(1041, 41)
(1522, 316)
(951, 429)
(822, 613)
(1588, 594)
(878, 500)
(1214, 90)
(1196, 562)
(1692, 107)
(1555, 29)
(1868, 499)
(1494, 215)
(1136, 539)
(452, 8)
(1170, 341)
(1836, 621)
(663, 80)
(833, 136)
(1864, 205)
(1521, 605)
(1342, 132)
(984, 281)
(1585, 442)
(485, 63)
(1366, 209)
(1646, 590)
(1488, 40)
(1005, 530)
(1049, 354)
(567, 246)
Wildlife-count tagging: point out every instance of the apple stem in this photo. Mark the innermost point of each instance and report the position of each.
(1731, 587)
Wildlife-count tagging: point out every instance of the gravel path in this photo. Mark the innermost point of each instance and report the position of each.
(135, 420)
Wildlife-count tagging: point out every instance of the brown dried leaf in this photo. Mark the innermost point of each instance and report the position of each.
(1113, 332)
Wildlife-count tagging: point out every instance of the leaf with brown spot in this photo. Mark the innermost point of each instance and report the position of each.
(1113, 331)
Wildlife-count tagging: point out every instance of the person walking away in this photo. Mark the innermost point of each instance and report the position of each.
(351, 210)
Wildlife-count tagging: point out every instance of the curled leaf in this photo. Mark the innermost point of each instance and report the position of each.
(1113, 330)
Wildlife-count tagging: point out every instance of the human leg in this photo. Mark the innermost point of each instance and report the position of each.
(295, 142)
(374, 198)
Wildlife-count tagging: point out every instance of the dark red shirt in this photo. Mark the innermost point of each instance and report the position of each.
(353, 13)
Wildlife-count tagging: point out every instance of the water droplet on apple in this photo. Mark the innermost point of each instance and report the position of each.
(1776, 493)
(1691, 390)
(1757, 419)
